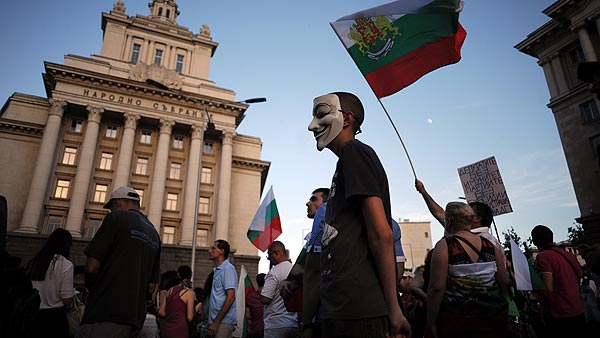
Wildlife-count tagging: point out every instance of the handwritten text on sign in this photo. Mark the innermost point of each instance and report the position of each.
(482, 182)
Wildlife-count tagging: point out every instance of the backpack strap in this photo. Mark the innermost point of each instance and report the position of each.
(568, 261)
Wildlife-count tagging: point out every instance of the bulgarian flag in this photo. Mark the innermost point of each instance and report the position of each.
(266, 225)
(526, 277)
(244, 289)
(395, 44)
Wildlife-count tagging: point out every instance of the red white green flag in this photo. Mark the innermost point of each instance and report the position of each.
(266, 225)
(244, 289)
(395, 44)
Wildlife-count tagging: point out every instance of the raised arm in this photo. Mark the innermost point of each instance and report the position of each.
(434, 208)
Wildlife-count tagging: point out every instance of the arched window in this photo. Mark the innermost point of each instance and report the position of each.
(160, 12)
(168, 13)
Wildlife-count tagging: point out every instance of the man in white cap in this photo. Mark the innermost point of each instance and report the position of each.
(122, 269)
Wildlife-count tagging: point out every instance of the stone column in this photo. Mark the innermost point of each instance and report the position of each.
(586, 43)
(126, 151)
(85, 166)
(159, 175)
(545, 64)
(43, 166)
(559, 75)
(223, 202)
(189, 223)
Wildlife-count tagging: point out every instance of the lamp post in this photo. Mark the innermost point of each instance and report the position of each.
(205, 123)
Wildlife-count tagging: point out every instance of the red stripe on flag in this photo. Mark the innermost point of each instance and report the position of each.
(404, 71)
(271, 232)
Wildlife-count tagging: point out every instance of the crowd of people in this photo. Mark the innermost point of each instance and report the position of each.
(349, 281)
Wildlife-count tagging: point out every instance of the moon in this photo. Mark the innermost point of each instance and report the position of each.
(429, 120)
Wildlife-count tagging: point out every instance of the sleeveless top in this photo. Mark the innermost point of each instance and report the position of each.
(175, 324)
(471, 287)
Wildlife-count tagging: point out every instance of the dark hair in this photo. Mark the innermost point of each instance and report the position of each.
(541, 235)
(208, 285)
(199, 293)
(58, 243)
(351, 103)
(223, 245)
(483, 211)
(166, 277)
(171, 282)
(260, 280)
(324, 192)
(184, 272)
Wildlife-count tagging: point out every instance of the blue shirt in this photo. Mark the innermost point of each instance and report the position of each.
(225, 278)
(397, 242)
(315, 241)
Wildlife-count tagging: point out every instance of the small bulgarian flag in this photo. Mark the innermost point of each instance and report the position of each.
(244, 289)
(395, 44)
(266, 225)
(526, 277)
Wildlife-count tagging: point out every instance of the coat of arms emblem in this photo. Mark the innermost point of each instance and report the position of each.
(374, 36)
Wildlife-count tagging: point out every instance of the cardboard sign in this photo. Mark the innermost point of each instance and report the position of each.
(482, 182)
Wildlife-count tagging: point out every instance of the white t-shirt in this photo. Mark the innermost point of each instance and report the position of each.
(276, 315)
(57, 284)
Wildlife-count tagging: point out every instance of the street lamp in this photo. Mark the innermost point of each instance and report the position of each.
(208, 125)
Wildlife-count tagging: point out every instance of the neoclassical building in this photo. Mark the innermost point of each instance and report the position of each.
(568, 39)
(104, 125)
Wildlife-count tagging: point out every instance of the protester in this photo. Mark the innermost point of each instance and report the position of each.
(51, 273)
(255, 310)
(467, 290)
(204, 309)
(279, 323)
(122, 268)
(357, 237)
(178, 307)
(560, 271)
(222, 314)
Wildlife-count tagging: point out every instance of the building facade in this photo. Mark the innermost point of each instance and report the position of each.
(416, 242)
(568, 39)
(105, 124)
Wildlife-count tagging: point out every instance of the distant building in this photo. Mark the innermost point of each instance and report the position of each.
(416, 242)
(102, 125)
(569, 38)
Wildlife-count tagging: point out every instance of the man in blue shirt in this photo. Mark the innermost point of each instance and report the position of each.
(222, 314)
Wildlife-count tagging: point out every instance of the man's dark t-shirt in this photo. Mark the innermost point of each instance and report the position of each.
(350, 287)
(128, 248)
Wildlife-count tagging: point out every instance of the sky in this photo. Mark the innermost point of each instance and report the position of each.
(491, 103)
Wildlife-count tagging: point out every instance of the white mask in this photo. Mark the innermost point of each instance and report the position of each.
(328, 120)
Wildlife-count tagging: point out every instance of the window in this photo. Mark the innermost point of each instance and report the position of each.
(62, 189)
(158, 57)
(206, 176)
(54, 222)
(178, 142)
(106, 161)
(141, 166)
(208, 148)
(426, 234)
(92, 228)
(135, 53)
(179, 65)
(596, 146)
(589, 111)
(168, 235)
(168, 13)
(146, 137)
(576, 56)
(204, 205)
(159, 11)
(111, 132)
(171, 202)
(141, 193)
(76, 126)
(202, 237)
(100, 193)
(175, 171)
(69, 156)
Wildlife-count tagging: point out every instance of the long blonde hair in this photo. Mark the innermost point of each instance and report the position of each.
(459, 216)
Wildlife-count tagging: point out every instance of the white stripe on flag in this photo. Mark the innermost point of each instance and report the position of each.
(240, 304)
(521, 266)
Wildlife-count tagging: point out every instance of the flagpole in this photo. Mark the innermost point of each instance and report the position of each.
(399, 137)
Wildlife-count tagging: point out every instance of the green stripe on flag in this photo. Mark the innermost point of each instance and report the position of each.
(253, 234)
(271, 212)
(415, 30)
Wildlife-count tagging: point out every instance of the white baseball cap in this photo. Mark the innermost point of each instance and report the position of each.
(124, 193)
